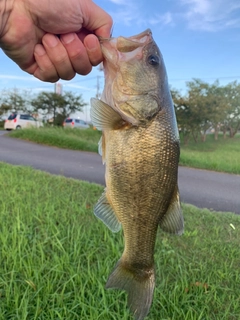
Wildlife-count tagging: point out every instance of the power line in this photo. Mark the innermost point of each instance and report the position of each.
(83, 80)
(207, 78)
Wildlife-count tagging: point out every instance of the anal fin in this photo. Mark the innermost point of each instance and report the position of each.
(172, 221)
(104, 212)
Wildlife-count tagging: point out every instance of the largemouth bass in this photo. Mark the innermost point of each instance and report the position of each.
(140, 148)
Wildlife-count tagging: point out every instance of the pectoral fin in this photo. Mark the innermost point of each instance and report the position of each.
(103, 116)
(172, 221)
(104, 212)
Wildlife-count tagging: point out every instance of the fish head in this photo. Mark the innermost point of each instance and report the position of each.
(135, 76)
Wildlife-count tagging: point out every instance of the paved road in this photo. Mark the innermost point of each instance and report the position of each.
(202, 188)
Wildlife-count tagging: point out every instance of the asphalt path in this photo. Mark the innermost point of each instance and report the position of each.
(202, 188)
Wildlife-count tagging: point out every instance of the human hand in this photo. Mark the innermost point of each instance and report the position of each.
(54, 39)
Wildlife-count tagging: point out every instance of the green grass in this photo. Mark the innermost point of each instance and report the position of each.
(67, 138)
(55, 256)
(221, 155)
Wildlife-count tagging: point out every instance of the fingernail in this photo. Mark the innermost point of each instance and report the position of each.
(67, 38)
(39, 50)
(51, 40)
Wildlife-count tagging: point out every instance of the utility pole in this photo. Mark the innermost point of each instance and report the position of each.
(58, 88)
(98, 89)
(98, 94)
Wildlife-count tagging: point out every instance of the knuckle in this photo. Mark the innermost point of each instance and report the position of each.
(76, 53)
(84, 69)
(95, 62)
(60, 59)
(68, 77)
(46, 76)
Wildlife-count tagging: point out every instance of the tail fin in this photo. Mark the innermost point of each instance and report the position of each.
(139, 284)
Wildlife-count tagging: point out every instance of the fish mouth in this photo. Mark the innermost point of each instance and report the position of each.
(112, 47)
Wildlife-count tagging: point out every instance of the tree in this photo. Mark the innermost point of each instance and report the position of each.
(4, 108)
(72, 103)
(208, 105)
(58, 106)
(47, 103)
(203, 107)
(192, 110)
(15, 101)
(216, 101)
(200, 105)
(183, 114)
(232, 109)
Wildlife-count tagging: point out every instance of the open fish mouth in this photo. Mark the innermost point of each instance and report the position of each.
(136, 38)
(112, 46)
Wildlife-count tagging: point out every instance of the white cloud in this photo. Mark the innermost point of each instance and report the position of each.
(197, 6)
(40, 89)
(133, 12)
(164, 19)
(211, 15)
(205, 15)
(119, 2)
(6, 77)
(13, 77)
(123, 16)
(128, 19)
(79, 87)
(233, 23)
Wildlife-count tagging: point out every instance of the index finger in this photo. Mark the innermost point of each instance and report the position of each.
(97, 20)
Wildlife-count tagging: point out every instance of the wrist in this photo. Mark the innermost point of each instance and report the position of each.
(5, 10)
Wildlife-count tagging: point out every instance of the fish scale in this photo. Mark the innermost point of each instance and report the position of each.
(140, 147)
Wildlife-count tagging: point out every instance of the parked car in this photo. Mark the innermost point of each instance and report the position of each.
(75, 123)
(22, 120)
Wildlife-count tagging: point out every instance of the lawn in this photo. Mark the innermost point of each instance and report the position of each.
(222, 155)
(75, 139)
(55, 256)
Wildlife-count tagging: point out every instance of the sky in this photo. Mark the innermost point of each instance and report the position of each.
(198, 39)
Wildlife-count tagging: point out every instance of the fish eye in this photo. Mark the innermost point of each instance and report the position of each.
(153, 60)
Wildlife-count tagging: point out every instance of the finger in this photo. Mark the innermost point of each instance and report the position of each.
(58, 56)
(45, 69)
(97, 19)
(93, 49)
(77, 53)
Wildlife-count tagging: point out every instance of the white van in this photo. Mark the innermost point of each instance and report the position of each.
(75, 123)
(19, 121)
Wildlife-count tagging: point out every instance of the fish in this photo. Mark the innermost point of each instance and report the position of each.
(140, 149)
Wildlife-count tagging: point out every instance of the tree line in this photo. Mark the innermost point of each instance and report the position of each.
(207, 107)
(204, 107)
(46, 104)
